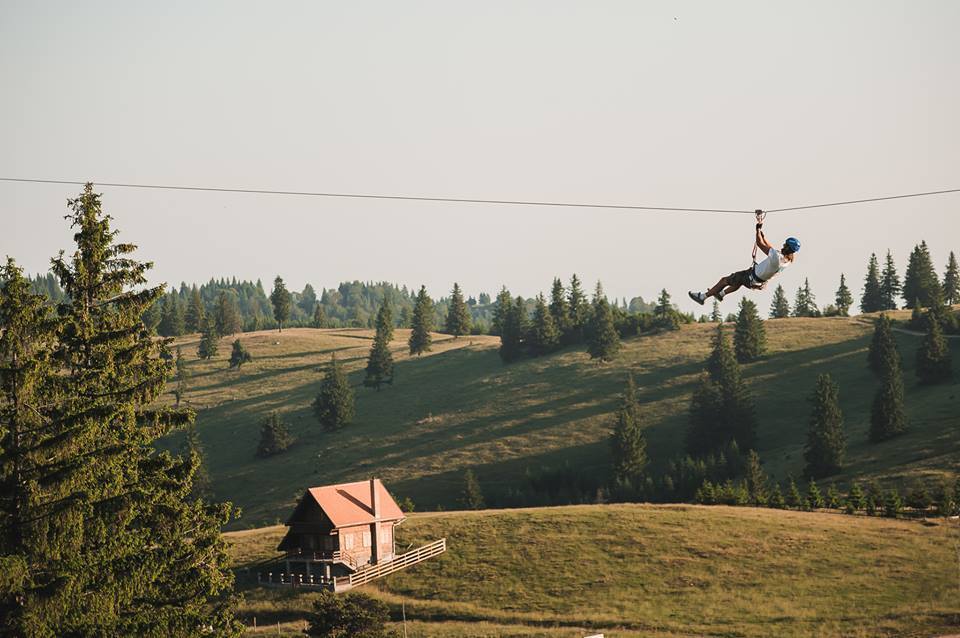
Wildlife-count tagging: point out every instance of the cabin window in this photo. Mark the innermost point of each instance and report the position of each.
(387, 536)
(348, 541)
(366, 539)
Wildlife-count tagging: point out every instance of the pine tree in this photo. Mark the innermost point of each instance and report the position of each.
(749, 337)
(920, 283)
(951, 281)
(514, 331)
(499, 311)
(776, 498)
(421, 324)
(183, 377)
(814, 497)
(227, 317)
(281, 300)
(334, 405)
(239, 355)
(794, 500)
(171, 319)
(889, 285)
(826, 442)
(472, 496)
(833, 497)
(780, 307)
(883, 348)
(380, 361)
(665, 316)
(118, 580)
(458, 316)
(629, 446)
(887, 417)
(857, 500)
(756, 480)
(603, 342)
(308, 300)
(805, 305)
(319, 316)
(202, 487)
(871, 300)
(193, 319)
(544, 336)
(873, 499)
(844, 298)
(560, 310)
(715, 316)
(209, 339)
(579, 310)
(721, 409)
(274, 436)
(934, 363)
(892, 503)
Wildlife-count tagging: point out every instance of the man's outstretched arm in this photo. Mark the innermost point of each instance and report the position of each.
(762, 242)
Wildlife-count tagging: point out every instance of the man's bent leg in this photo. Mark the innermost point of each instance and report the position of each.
(717, 288)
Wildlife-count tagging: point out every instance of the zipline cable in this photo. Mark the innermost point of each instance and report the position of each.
(465, 200)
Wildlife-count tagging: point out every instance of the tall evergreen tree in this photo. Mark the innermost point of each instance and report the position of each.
(421, 324)
(887, 417)
(334, 405)
(882, 346)
(920, 283)
(757, 482)
(171, 319)
(472, 496)
(281, 300)
(560, 310)
(871, 300)
(308, 300)
(202, 487)
(458, 316)
(844, 298)
(721, 409)
(183, 377)
(193, 319)
(934, 364)
(500, 308)
(319, 316)
(826, 442)
(603, 342)
(226, 315)
(209, 339)
(579, 310)
(715, 316)
(514, 331)
(664, 314)
(109, 482)
(275, 436)
(544, 336)
(805, 305)
(380, 361)
(239, 355)
(951, 281)
(889, 284)
(749, 336)
(629, 446)
(780, 307)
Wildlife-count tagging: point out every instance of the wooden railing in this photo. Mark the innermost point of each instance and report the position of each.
(349, 559)
(370, 572)
(276, 579)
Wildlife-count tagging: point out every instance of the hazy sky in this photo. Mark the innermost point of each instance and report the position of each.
(692, 104)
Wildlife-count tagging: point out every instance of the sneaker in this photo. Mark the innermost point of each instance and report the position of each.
(719, 295)
(699, 297)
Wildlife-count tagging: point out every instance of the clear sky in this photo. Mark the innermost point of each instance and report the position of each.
(692, 104)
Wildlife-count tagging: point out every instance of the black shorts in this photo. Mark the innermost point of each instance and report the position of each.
(744, 278)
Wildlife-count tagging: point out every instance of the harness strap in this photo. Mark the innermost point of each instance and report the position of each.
(760, 217)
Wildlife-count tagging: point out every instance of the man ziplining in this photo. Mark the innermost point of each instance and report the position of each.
(757, 276)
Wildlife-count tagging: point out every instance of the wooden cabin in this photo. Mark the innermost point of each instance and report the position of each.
(339, 530)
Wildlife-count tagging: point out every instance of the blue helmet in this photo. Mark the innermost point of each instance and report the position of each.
(792, 244)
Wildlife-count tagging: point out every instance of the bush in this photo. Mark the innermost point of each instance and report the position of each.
(353, 615)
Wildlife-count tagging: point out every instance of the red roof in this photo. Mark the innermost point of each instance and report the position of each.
(351, 503)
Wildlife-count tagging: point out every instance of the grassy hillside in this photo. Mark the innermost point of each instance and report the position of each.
(461, 407)
(637, 570)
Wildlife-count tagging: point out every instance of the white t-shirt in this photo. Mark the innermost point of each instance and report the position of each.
(772, 265)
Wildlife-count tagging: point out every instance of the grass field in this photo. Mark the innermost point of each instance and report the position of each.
(640, 570)
(460, 407)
